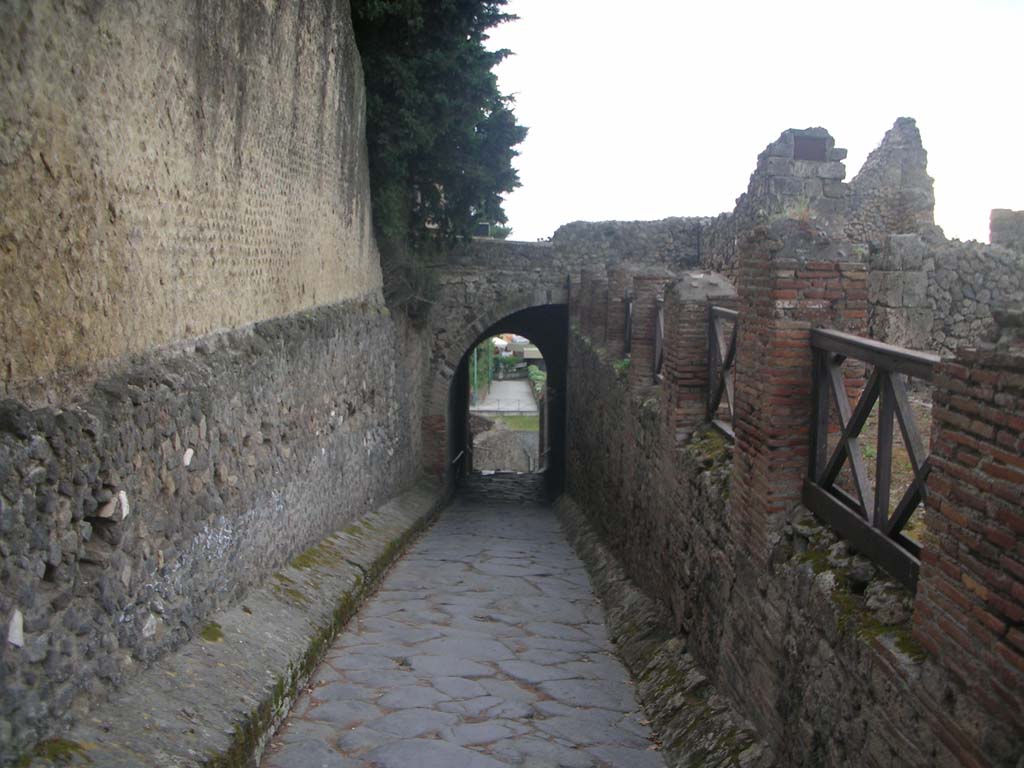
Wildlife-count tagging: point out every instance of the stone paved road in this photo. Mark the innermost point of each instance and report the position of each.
(484, 648)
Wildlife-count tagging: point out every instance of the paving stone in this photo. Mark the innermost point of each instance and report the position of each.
(308, 754)
(427, 753)
(408, 723)
(343, 713)
(459, 687)
(535, 673)
(634, 758)
(484, 648)
(538, 753)
(411, 697)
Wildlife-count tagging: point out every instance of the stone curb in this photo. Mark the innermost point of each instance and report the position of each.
(695, 725)
(217, 701)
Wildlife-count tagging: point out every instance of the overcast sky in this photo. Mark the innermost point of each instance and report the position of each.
(657, 108)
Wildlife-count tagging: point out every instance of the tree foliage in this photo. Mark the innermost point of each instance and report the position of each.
(441, 136)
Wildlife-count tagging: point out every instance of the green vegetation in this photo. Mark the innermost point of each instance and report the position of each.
(212, 633)
(439, 132)
(481, 369)
(621, 367)
(538, 379)
(59, 751)
(520, 422)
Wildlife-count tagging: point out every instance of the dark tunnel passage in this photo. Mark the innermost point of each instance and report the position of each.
(547, 326)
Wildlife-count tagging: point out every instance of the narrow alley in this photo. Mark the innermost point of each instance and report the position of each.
(485, 647)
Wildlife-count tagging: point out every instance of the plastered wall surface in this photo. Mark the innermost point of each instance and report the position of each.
(170, 169)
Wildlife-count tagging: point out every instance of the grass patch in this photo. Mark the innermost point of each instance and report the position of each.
(520, 422)
(212, 633)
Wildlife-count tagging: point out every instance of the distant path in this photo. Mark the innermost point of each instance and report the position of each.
(508, 396)
(485, 648)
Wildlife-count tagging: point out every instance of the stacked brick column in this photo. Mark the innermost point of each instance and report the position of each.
(648, 286)
(599, 308)
(687, 305)
(791, 278)
(585, 306)
(969, 611)
(620, 282)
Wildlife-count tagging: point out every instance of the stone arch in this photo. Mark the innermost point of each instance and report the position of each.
(540, 313)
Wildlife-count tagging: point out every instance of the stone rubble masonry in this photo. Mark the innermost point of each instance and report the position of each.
(892, 193)
(218, 700)
(966, 281)
(1006, 228)
(233, 457)
(162, 177)
(969, 611)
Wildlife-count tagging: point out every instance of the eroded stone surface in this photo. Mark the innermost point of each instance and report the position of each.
(485, 647)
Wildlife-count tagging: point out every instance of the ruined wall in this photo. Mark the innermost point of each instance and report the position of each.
(672, 242)
(200, 377)
(808, 638)
(966, 282)
(171, 169)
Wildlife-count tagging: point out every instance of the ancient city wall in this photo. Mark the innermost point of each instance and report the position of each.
(835, 663)
(171, 169)
(201, 378)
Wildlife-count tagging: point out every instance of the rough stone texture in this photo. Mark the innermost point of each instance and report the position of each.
(696, 725)
(232, 457)
(505, 449)
(966, 281)
(893, 192)
(1006, 228)
(485, 647)
(672, 242)
(217, 700)
(168, 170)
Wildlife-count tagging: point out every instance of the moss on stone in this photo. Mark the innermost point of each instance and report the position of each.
(908, 646)
(324, 554)
(212, 632)
(818, 560)
(60, 751)
(251, 734)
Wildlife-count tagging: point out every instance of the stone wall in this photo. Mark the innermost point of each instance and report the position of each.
(808, 639)
(130, 516)
(171, 169)
(966, 282)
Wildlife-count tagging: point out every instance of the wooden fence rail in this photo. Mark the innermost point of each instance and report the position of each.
(721, 369)
(865, 517)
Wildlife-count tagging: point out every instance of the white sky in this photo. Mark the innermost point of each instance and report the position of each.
(657, 108)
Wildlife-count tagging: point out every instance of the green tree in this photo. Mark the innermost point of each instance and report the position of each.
(441, 135)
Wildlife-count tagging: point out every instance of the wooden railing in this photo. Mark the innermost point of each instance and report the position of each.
(865, 517)
(721, 371)
(659, 341)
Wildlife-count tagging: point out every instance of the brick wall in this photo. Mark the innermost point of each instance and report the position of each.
(970, 606)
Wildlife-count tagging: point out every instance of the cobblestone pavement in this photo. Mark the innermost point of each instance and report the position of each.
(484, 648)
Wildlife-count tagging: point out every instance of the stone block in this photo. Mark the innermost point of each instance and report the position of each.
(835, 171)
(1006, 228)
(886, 288)
(778, 166)
(915, 289)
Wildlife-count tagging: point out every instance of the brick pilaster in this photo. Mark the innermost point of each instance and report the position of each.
(620, 282)
(969, 611)
(599, 309)
(648, 287)
(792, 277)
(687, 304)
